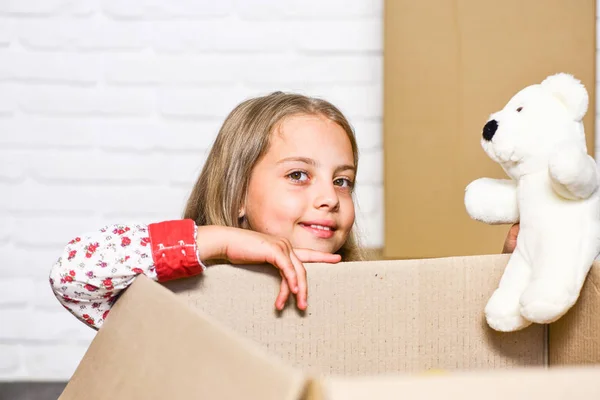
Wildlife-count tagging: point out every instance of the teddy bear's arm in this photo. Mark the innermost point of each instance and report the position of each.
(573, 172)
(493, 201)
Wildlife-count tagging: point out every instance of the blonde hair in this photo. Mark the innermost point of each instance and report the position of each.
(244, 138)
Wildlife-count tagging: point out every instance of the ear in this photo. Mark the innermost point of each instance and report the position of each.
(570, 91)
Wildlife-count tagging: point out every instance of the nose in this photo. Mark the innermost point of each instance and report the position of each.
(326, 197)
(489, 130)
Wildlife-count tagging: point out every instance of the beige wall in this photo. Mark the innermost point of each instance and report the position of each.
(447, 66)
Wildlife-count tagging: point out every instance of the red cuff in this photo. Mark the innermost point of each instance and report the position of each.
(174, 249)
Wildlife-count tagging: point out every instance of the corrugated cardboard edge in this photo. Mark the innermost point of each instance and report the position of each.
(521, 383)
(153, 346)
(575, 338)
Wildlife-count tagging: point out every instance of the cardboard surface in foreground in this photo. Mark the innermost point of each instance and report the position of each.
(372, 317)
(372, 331)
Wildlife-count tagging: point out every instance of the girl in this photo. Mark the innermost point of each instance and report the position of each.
(277, 188)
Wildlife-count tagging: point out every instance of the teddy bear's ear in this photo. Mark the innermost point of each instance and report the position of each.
(570, 91)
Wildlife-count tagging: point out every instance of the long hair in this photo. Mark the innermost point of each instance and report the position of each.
(244, 138)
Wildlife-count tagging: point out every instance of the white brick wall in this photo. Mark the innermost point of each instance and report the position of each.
(104, 103)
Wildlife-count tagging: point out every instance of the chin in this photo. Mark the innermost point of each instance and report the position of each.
(325, 246)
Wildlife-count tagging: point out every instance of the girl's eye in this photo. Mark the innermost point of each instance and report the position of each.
(343, 182)
(519, 109)
(298, 176)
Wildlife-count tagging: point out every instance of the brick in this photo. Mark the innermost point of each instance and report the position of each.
(252, 69)
(207, 102)
(185, 169)
(369, 197)
(42, 325)
(6, 227)
(44, 298)
(24, 262)
(8, 99)
(369, 134)
(355, 101)
(160, 200)
(157, 9)
(59, 325)
(370, 169)
(14, 323)
(12, 165)
(5, 64)
(50, 231)
(220, 36)
(332, 9)
(41, 8)
(310, 69)
(90, 167)
(52, 68)
(46, 133)
(371, 229)
(338, 36)
(56, 133)
(35, 7)
(83, 34)
(173, 70)
(172, 136)
(53, 362)
(85, 200)
(16, 292)
(310, 9)
(88, 101)
(10, 360)
(7, 30)
(60, 197)
(260, 9)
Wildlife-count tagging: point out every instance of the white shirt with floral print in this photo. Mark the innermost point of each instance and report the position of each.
(95, 268)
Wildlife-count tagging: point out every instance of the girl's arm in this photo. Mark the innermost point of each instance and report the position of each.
(95, 268)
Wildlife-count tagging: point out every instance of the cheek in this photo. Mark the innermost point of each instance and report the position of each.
(273, 211)
(348, 211)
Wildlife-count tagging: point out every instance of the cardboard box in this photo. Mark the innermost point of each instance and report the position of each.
(372, 330)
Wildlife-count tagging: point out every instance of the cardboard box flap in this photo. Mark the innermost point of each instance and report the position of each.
(575, 338)
(517, 384)
(369, 318)
(154, 347)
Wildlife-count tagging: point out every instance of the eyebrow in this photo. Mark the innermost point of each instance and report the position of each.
(312, 162)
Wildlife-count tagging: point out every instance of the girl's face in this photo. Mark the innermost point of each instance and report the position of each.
(301, 189)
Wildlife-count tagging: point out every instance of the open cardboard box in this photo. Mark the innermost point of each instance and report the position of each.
(373, 330)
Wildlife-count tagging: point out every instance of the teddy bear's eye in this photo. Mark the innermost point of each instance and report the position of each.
(519, 109)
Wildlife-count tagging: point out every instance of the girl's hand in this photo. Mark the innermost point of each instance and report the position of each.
(511, 239)
(241, 246)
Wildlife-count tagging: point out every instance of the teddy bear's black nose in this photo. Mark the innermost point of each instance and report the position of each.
(490, 129)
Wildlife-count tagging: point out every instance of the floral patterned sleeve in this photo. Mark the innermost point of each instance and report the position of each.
(95, 268)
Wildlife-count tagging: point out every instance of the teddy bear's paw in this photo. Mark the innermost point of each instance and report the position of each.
(502, 312)
(544, 302)
(492, 201)
(567, 163)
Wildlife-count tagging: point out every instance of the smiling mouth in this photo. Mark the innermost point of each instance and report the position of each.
(320, 231)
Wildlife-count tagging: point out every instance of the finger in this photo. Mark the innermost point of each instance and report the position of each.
(511, 239)
(281, 259)
(306, 255)
(301, 296)
(284, 294)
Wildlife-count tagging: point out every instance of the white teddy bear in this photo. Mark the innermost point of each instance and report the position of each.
(539, 140)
